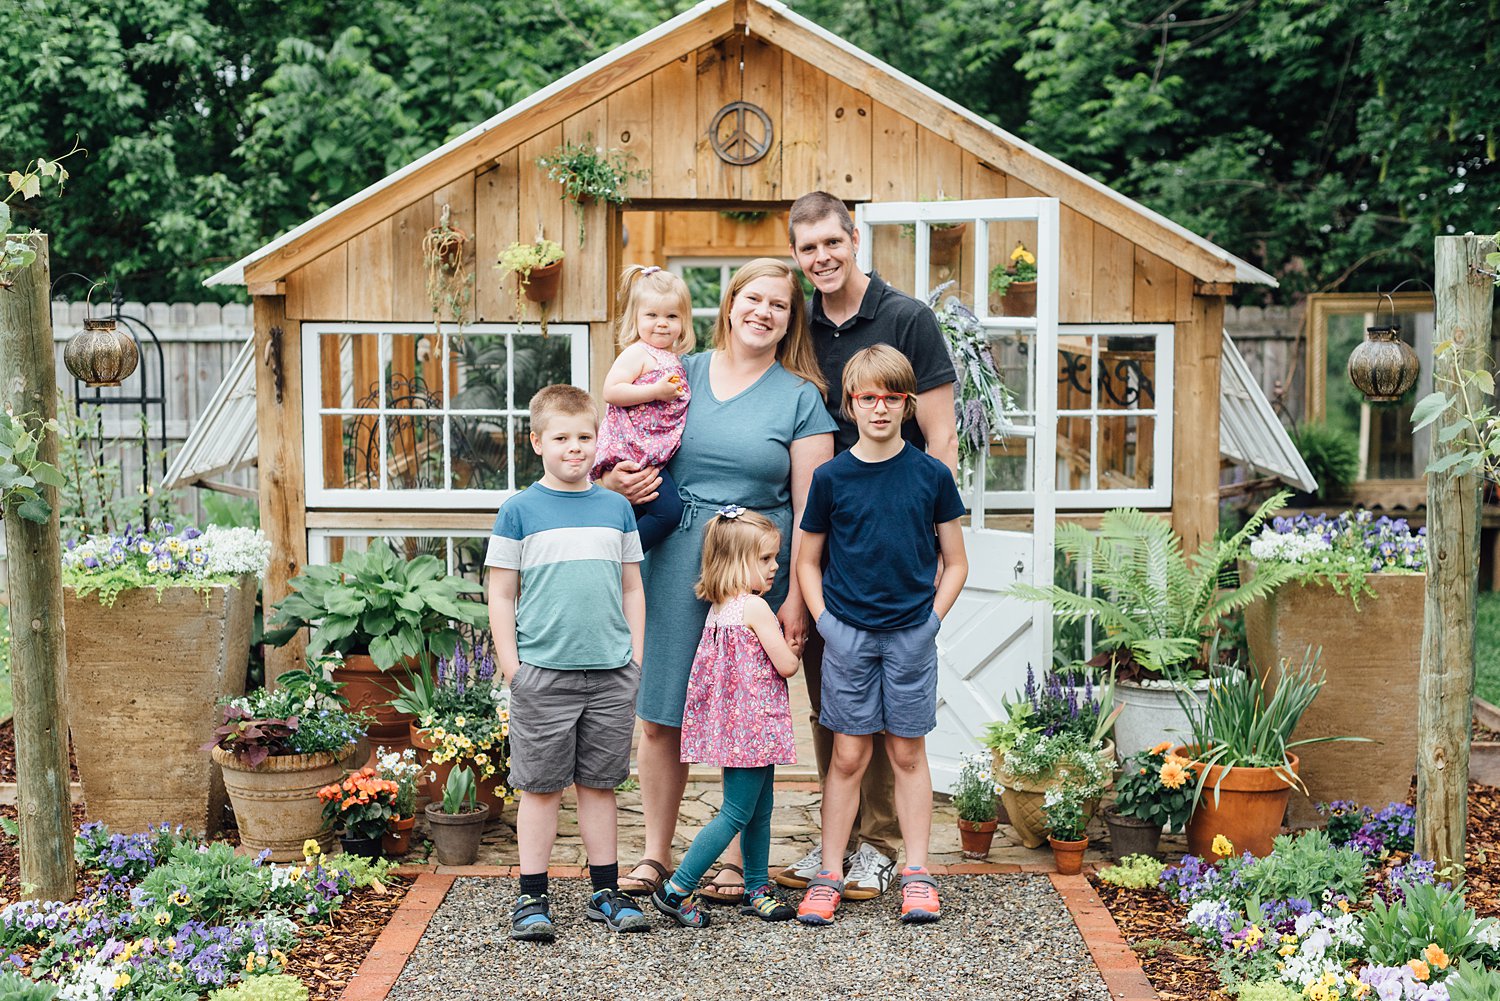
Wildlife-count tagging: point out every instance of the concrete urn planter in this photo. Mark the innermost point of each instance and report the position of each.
(1150, 714)
(1371, 659)
(276, 802)
(144, 675)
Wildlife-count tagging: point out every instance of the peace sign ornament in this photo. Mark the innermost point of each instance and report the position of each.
(741, 133)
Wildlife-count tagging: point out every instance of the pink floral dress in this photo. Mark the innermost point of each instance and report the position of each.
(650, 432)
(737, 714)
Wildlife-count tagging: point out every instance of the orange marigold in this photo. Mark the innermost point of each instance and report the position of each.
(1435, 956)
(1173, 775)
(1419, 969)
(1162, 748)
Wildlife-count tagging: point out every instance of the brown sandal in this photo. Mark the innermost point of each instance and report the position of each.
(721, 893)
(648, 884)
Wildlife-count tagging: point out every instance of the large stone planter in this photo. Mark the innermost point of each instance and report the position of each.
(1023, 798)
(276, 803)
(1151, 714)
(1371, 660)
(143, 678)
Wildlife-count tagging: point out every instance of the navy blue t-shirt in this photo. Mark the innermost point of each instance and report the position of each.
(879, 518)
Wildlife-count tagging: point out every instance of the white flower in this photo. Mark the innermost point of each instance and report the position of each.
(234, 550)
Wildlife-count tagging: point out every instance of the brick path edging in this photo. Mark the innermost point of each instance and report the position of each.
(1116, 961)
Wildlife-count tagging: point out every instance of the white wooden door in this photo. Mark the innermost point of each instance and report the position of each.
(987, 640)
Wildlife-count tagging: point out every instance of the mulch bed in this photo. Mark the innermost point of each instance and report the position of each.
(325, 958)
(8, 754)
(1180, 970)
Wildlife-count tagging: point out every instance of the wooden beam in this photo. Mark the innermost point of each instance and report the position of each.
(283, 497)
(1195, 430)
(1445, 685)
(478, 153)
(28, 385)
(268, 288)
(1201, 287)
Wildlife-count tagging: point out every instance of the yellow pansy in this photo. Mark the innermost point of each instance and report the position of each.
(1022, 254)
(1222, 846)
(163, 918)
(311, 848)
(122, 980)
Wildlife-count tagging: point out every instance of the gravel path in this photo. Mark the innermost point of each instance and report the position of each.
(1002, 937)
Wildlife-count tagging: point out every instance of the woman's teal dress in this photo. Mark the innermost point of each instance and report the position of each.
(735, 451)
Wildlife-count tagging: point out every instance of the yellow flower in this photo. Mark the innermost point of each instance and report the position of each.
(311, 848)
(122, 980)
(294, 874)
(1222, 846)
(250, 963)
(1435, 956)
(1287, 949)
(439, 734)
(278, 955)
(1419, 969)
(175, 967)
(459, 721)
(171, 945)
(1022, 254)
(1344, 905)
(181, 898)
(1359, 989)
(163, 918)
(1162, 748)
(481, 759)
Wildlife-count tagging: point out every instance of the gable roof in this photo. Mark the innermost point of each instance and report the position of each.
(703, 25)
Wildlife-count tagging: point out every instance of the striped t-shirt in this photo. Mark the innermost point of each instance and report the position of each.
(569, 546)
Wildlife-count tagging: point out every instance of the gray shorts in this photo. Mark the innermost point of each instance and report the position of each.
(571, 727)
(879, 680)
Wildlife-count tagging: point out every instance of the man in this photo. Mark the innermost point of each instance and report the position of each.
(851, 311)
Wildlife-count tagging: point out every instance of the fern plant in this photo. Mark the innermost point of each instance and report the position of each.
(1149, 598)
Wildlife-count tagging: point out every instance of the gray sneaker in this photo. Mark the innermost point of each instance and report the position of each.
(801, 871)
(868, 874)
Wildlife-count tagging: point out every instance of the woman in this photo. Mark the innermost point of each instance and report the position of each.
(756, 429)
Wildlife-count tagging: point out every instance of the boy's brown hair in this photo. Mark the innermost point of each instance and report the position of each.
(560, 400)
(880, 366)
(731, 548)
(816, 206)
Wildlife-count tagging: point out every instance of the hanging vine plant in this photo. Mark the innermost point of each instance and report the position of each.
(588, 172)
(450, 286)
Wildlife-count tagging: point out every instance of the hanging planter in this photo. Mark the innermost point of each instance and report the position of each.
(450, 285)
(101, 354)
(590, 173)
(538, 270)
(1383, 367)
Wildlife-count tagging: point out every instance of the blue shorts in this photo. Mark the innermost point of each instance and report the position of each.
(876, 681)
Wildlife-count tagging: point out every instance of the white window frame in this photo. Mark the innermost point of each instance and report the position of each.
(383, 498)
(318, 538)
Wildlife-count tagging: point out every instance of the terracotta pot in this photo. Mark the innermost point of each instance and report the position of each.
(946, 239)
(976, 836)
(369, 688)
(433, 788)
(276, 803)
(1019, 299)
(1370, 660)
(1251, 804)
(455, 836)
(143, 677)
(1023, 798)
(397, 840)
(1131, 836)
(1068, 855)
(362, 847)
(542, 283)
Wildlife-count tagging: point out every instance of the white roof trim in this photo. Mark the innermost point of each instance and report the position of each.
(225, 438)
(1249, 430)
(235, 273)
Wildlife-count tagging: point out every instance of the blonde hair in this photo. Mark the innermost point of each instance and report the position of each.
(795, 350)
(884, 366)
(638, 280)
(731, 548)
(560, 400)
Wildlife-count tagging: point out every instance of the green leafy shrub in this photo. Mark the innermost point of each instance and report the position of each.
(211, 884)
(16, 987)
(360, 870)
(1472, 982)
(1332, 456)
(1134, 872)
(270, 987)
(1305, 866)
(1268, 990)
(1398, 931)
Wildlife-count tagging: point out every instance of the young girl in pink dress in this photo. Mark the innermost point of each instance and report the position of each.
(646, 392)
(736, 716)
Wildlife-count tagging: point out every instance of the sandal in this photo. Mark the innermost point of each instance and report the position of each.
(647, 885)
(723, 893)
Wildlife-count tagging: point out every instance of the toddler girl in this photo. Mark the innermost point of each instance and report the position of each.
(646, 392)
(736, 716)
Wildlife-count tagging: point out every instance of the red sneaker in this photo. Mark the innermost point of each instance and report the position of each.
(919, 896)
(823, 896)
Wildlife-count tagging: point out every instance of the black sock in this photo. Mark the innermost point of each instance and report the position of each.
(534, 885)
(605, 877)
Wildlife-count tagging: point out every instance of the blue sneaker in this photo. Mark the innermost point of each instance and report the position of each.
(531, 919)
(682, 908)
(616, 910)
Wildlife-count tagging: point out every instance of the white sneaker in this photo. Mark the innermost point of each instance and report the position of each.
(869, 874)
(801, 871)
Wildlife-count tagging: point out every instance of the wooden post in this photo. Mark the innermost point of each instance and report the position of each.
(28, 385)
(1445, 699)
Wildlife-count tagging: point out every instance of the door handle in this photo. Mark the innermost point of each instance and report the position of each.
(1019, 568)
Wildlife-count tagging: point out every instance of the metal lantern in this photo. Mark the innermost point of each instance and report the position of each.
(1384, 366)
(100, 354)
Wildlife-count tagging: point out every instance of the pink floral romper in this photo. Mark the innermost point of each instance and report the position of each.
(737, 714)
(650, 432)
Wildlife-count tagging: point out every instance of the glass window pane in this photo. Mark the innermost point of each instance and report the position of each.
(414, 450)
(1126, 373)
(350, 370)
(351, 452)
(1007, 465)
(1126, 452)
(528, 463)
(480, 450)
(1074, 372)
(478, 364)
(539, 361)
(1074, 452)
(1011, 353)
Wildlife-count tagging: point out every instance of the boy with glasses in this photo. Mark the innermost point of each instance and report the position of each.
(876, 507)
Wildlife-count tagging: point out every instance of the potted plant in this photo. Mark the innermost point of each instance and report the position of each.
(1332, 457)
(461, 715)
(1357, 592)
(974, 799)
(1066, 812)
(456, 822)
(1048, 736)
(161, 615)
(1013, 284)
(450, 284)
(538, 270)
(1241, 754)
(590, 173)
(1156, 612)
(373, 612)
(1154, 791)
(981, 399)
(360, 806)
(400, 767)
(277, 749)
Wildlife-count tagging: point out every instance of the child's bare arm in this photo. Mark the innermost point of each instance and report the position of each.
(810, 572)
(503, 585)
(619, 383)
(760, 618)
(635, 608)
(955, 566)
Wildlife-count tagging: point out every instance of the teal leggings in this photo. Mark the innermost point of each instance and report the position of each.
(748, 795)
